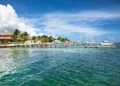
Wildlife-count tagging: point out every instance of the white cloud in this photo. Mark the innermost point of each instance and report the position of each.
(10, 21)
(60, 23)
(86, 15)
(69, 23)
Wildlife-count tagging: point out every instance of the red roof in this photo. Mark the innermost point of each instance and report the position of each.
(8, 33)
(5, 38)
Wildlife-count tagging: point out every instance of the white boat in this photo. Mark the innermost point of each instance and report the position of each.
(107, 44)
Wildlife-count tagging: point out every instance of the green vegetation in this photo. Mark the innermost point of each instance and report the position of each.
(21, 37)
(46, 38)
(18, 36)
(63, 39)
(5, 41)
(15, 34)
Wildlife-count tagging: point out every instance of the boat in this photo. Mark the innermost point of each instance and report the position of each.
(106, 44)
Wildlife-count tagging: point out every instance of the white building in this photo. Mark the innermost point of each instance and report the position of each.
(33, 42)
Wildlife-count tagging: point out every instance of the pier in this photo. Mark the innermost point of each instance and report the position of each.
(62, 45)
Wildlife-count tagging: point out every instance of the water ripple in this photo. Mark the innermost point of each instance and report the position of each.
(59, 67)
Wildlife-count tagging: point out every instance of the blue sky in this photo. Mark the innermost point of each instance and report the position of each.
(90, 20)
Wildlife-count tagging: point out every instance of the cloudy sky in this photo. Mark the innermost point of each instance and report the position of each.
(89, 20)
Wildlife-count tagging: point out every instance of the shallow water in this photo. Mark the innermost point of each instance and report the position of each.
(59, 67)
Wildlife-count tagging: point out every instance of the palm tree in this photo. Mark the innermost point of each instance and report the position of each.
(37, 38)
(15, 34)
(50, 39)
(33, 37)
(59, 38)
(63, 39)
(24, 36)
(44, 38)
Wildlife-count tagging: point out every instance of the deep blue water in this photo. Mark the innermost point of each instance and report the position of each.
(59, 67)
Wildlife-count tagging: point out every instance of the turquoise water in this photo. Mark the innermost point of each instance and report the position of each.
(59, 67)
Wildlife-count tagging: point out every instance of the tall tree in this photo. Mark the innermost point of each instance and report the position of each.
(33, 37)
(37, 38)
(24, 36)
(63, 39)
(44, 38)
(59, 38)
(15, 34)
(50, 39)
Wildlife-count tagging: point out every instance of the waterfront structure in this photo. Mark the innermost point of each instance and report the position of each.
(33, 42)
(6, 36)
(6, 39)
(69, 42)
(57, 41)
(61, 45)
(104, 44)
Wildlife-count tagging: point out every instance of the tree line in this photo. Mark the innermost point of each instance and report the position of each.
(24, 36)
(45, 38)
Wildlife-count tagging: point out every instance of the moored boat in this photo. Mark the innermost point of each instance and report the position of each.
(106, 44)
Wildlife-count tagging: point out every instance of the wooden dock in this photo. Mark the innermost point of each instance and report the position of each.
(50, 45)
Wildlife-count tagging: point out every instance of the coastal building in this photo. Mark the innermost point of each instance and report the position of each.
(57, 41)
(33, 42)
(5, 37)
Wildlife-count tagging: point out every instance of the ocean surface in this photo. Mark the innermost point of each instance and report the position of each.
(59, 67)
